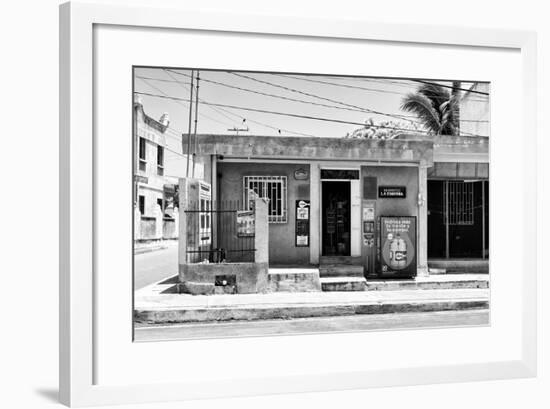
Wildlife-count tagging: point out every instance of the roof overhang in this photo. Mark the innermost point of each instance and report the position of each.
(316, 148)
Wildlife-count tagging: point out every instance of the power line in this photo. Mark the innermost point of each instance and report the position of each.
(221, 110)
(452, 87)
(274, 95)
(298, 115)
(340, 85)
(368, 110)
(401, 117)
(183, 102)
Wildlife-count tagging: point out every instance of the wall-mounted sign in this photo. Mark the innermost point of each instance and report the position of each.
(301, 174)
(398, 250)
(368, 213)
(392, 192)
(302, 223)
(245, 223)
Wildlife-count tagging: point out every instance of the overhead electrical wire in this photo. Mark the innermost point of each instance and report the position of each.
(299, 116)
(242, 118)
(277, 96)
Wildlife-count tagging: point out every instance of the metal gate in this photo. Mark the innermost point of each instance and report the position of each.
(219, 232)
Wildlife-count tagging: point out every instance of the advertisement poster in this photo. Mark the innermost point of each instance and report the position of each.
(302, 223)
(398, 246)
(245, 223)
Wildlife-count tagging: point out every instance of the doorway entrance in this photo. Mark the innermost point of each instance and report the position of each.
(336, 218)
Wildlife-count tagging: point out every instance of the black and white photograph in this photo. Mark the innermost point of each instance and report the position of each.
(271, 203)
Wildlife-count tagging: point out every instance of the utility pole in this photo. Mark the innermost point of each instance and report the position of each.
(189, 129)
(196, 120)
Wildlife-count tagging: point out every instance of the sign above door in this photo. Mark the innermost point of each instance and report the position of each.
(392, 192)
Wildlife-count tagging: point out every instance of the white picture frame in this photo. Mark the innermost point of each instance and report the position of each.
(78, 386)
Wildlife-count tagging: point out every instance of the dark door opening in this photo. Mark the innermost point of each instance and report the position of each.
(336, 218)
(458, 219)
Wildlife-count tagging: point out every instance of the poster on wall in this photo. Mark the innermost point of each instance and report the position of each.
(302, 223)
(245, 223)
(398, 246)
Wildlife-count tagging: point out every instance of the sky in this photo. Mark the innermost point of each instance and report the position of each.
(348, 99)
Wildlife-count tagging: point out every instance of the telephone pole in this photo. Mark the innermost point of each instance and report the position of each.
(196, 120)
(189, 129)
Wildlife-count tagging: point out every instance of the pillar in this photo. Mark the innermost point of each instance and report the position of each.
(261, 231)
(422, 239)
(315, 210)
(137, 223)
(182, 231)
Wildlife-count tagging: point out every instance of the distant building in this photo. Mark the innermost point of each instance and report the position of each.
(475, 111)
(158, 163)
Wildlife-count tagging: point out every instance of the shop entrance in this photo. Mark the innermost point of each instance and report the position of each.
(336, 218)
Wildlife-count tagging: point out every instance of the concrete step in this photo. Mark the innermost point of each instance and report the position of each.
(460, 266)
(445, 282)
(340, 260)
(340, 270)
(293, 279)
(350, 283)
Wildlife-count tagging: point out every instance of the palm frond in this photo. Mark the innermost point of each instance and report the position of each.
(438, 95)
(422, 107)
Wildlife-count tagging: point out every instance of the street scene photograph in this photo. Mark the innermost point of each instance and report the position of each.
(270, 203)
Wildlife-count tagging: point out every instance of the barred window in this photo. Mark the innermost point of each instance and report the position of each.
(459, 196)
(271, 187)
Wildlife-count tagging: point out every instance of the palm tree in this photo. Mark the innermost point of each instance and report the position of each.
(436, 108)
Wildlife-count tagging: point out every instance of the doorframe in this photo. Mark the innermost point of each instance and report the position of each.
(320, 198)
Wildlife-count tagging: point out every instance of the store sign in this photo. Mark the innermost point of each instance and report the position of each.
(392, 192)
(245, 223)
(398, 246)
(302, 223)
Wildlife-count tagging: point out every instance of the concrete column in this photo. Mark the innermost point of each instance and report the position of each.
(176, 216)
(422, 238)
(182, 232)
(315, 217)
(137, 223)
(261, 233)
(159, 223)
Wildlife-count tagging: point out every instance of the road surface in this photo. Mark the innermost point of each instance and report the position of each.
(315, 325)
(155, 265)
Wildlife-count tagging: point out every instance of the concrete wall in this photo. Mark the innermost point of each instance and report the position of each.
(395, 176)
(230, 187)
(475, 111)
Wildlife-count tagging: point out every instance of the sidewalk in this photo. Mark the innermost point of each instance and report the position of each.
(147, 247)
(158, 308)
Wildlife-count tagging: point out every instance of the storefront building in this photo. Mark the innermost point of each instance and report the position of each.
(338, 200)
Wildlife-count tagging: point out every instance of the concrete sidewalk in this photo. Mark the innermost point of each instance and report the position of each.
(161, 308)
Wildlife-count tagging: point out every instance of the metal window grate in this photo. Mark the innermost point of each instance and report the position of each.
(272, 187)
(459, 199)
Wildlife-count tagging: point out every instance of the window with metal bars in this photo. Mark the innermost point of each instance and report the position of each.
(272, 187)
(459, 199)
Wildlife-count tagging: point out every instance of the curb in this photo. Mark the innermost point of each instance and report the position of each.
(250, 313)
(144, 250)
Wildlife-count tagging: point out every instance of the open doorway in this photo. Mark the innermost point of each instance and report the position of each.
(336, 218)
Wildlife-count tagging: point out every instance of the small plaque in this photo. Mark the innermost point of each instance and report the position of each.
(392, 192)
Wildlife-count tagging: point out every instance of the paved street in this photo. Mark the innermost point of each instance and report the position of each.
(153, 266)
(305, 325)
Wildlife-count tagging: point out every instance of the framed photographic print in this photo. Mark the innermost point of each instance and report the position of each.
(265, 191)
